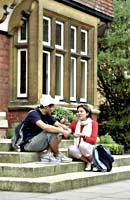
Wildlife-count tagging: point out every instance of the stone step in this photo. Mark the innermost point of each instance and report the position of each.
(39, 169)
(64, 182)
(23, 157)
(5, 144)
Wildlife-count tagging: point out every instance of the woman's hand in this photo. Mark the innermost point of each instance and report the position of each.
(76, 135)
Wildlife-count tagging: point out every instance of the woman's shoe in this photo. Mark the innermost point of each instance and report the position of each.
(88, 167)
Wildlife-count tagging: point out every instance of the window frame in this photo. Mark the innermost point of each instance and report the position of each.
(60, 97)
(85, 80)
(62, 35)
(19, 33)
(86, 42)
(75, 39)
(19, 95)
(49, 70)
(49, 31)
(73, 98)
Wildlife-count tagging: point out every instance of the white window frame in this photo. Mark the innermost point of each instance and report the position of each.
(49, 31)
(48, 71)
(85, 81)
(19, 34)
(86, 42)
(60, 97)
(62, 36)
(75, 36)
(23, 95)
(74, 97)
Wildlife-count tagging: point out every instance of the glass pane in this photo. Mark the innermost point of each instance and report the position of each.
(72, 78)
(58, 76)
(83, 80)
(23, 32)
(23, 72)
(58, 34)
(45, 74)
(45, 30)
(72, 39)
(84, 42)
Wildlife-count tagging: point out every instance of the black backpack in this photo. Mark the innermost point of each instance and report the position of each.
(17, 140)
(102, 158)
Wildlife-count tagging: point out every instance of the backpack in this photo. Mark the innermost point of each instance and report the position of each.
(17, 139)
(102, 158)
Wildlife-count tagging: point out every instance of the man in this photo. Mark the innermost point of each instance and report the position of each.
(43, 132)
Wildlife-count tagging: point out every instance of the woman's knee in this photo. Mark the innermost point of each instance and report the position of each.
(74, 152)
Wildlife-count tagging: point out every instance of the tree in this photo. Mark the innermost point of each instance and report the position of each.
(114, 75)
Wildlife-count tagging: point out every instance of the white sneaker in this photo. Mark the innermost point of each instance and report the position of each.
(62, 158)
(48, 157)
(88, 167)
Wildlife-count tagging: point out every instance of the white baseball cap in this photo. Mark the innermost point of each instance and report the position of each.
(47, 100)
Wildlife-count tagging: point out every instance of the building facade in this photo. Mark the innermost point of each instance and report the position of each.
(49, 47)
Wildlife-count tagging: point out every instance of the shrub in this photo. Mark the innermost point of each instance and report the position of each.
(61, 112)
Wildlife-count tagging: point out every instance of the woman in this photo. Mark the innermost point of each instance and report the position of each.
(85, 132)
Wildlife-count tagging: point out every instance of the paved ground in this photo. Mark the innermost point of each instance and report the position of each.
(111, 191)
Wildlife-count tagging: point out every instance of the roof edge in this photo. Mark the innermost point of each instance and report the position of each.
(86, 9)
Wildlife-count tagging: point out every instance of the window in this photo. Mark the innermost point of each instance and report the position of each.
(83, 80)
(83, 42)
(73, 79)
(22, 33)
(59, 76)
(46, 73)
(22, 73)
(59, 34)
(46, 31)
(73, 39)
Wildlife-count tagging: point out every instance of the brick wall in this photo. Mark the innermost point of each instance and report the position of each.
(4, 71)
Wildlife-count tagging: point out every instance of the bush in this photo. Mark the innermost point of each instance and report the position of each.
(115, 149)
(107, 141)
(61, 112)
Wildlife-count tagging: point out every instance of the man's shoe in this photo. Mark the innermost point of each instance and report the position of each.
(62, 158)
(48, 157)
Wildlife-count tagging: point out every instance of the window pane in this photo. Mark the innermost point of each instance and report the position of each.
(47, 31)
(23, 32)
(73, 79)
(83, 79)
(46, 73)
(84, 41)
(59, 34)
(59, 75)
(73, 39)
(22, 73)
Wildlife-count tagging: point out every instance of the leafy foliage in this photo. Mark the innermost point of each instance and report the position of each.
(114, 76)
(61, 112)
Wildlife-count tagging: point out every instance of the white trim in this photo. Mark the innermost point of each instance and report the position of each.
(49, 31)
(74, 89)
(62, 36)
(59, 97)
(75, 36)
(85, 81)
(19, 34)
(48, 70)
(19, 74)
(86, 43)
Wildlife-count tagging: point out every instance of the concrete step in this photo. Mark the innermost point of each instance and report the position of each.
(40, 169)
(64, 182)
(5, 144)
(23, 157)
